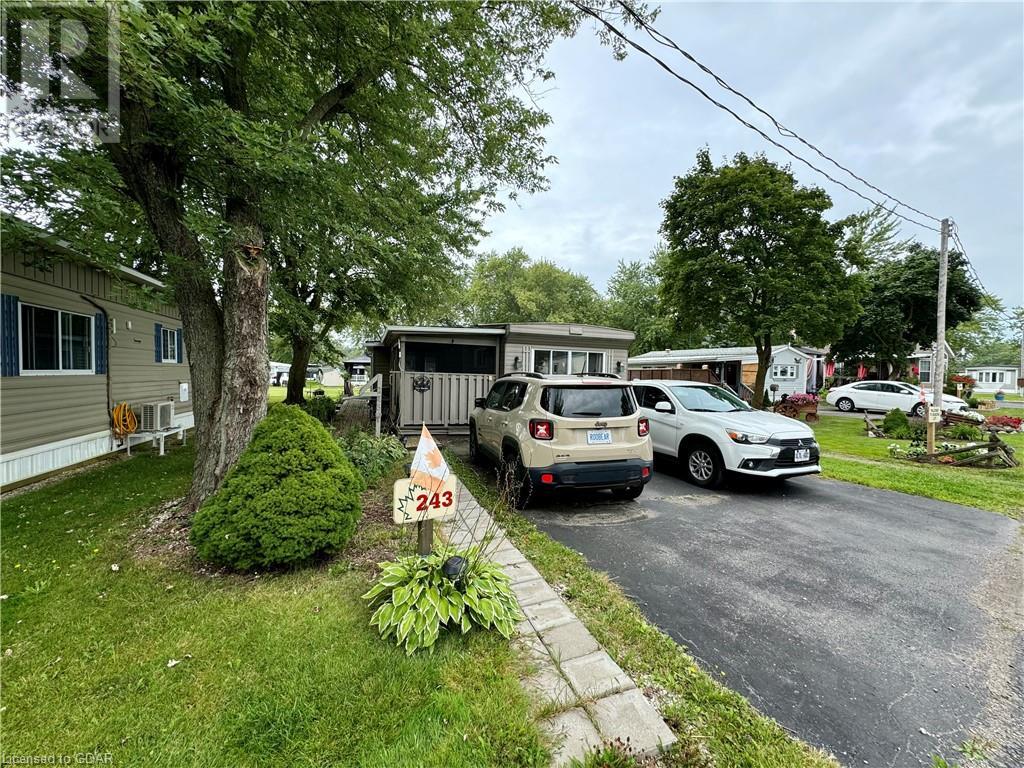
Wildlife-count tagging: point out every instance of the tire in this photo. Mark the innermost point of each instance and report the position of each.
(514, 481)
(627, 493)
(919, 410)
(474, 445)
(703, 464)
(845, 405)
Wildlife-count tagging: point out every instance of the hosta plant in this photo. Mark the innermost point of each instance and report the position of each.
(416, 597)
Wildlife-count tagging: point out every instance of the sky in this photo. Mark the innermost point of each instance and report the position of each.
(926, 101)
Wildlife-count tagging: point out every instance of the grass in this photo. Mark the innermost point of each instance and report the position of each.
(278, 394)
(715, 725)
(272, 667)
(849, 454)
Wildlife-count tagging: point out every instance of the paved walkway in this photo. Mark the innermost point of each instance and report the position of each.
(590, 698)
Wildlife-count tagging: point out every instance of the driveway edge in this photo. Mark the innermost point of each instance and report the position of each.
(591, 700)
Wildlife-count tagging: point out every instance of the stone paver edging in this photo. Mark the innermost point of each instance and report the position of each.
(594, 699)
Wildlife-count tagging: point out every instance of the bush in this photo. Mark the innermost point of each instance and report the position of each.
(895, 421)
(973, 402)
(964, 432)
(416, 600)
(293, 495)
(1005, 422)
(321, 408)
(372, 456)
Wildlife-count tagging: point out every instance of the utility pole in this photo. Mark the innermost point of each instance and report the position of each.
(939, 352)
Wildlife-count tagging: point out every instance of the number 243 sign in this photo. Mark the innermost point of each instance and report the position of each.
(413, 503)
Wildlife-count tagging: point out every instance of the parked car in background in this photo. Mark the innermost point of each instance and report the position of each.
(887, 395)
(711, 432)
(553, 432)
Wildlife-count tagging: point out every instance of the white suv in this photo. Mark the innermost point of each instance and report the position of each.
(555, 432)
(711, 431)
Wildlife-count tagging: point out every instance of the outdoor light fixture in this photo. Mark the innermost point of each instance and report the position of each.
(454, 567)
(515, 363)
(618, 366)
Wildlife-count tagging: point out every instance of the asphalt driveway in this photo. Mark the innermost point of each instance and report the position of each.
(883, 627)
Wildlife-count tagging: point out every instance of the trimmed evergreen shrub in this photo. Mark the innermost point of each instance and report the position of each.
(293, 495)
(895, 421)
(321, 408)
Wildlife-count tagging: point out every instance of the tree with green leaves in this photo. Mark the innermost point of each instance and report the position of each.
(634, 304)
(751, 255)
(229, 111)
(900, 308)
(510, 288)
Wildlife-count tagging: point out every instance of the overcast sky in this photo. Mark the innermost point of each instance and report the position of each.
(924, 101)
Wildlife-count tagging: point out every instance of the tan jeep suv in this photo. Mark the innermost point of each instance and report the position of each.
(555, 432)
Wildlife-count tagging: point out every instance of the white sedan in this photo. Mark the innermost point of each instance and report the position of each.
(886, 395)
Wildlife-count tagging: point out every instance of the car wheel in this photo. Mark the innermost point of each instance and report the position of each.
(514, 481)
(627, 493)
(703, 465)
(845, 405)
(474, 445)
(918, 410)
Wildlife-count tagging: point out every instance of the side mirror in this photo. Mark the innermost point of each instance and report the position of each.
(480, 402)
(664, 407)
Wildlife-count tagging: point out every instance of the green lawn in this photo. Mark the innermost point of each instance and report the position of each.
(848, 454)
(274, 669)
(278, 394)
(715, 725)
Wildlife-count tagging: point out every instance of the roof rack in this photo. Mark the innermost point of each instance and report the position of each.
(530, 374)
(601, 375)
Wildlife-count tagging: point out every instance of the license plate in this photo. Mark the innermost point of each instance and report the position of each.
(599, 437)
(802, 454)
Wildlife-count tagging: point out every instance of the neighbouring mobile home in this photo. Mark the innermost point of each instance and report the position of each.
(77, 338)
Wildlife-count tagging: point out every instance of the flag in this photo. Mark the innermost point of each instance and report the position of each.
(428, 465)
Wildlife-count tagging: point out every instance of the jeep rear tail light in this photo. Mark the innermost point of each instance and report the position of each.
(643, 427)
(542, 429)
(547, 478)
(645, 472)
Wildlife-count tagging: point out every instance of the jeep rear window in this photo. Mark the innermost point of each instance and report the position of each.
(582, 402)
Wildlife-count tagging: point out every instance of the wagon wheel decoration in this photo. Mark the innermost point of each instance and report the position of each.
(421, 383)
(787, 409)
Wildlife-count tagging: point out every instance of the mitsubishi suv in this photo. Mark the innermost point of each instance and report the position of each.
(711, 432)
(550, 432)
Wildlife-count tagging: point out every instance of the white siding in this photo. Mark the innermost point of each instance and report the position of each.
(788, 386)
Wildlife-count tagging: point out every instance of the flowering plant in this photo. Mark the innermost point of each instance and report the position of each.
(1013, 422)
(963, 378)
(802, 399)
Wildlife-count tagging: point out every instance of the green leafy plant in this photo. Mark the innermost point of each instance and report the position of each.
(895, 421)
(292, 496)
(321, 408)
(415, 599)
(372, 456)
(963, 432)
(973, 402)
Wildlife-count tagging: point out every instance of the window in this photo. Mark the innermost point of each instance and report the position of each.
(513, 397)
(562, 361)
(924, 373)
(494, 396)
(588, 402)
(54, 341)
(786, 371)
(649, 397)
(708, 398)
(169, 345)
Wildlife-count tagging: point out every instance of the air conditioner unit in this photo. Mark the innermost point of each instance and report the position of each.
(156, 416)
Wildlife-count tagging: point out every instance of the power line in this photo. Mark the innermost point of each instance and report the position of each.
(668, 42)
(633, 44)
(977, 278)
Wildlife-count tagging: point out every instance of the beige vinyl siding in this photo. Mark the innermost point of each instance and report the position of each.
(521, 345)
(40, 409)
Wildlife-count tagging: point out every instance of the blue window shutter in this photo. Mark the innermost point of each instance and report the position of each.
(100, 334)
(177, 333)
(158, 341)
(9, 365)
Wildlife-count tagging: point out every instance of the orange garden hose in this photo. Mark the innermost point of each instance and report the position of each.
(124, 421)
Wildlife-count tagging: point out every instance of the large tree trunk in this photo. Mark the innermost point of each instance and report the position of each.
(763, 345)
(302, 348)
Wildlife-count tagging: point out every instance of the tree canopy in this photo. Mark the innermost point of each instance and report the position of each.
(751, 255)
(510, 288)
(634, 304)
(900, 308)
